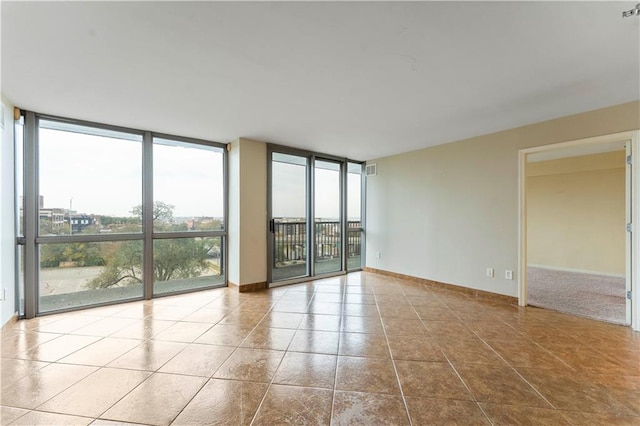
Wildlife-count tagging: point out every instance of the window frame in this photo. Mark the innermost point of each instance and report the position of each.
(311, 157)
(222, 233)
(32, 240)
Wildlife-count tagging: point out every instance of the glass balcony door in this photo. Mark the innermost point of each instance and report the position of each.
(327, 207)
(289, 230)
(308, 231)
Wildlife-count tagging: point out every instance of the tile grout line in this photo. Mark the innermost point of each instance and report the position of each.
(513, 368)
(36, 410)
(264, 397)
(154, 372)
(123, 396)
(96, 368)
(393, 361)
(457, 310)
(424, 287)
(498, 354)
(157, 371)
(466, 387)
(228, 356)
(453, 366)
(335, 374)
(208, 379)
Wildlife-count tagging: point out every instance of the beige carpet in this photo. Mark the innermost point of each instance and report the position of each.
(594, 296)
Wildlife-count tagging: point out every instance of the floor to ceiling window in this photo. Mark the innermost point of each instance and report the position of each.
(315, 204)
(289, 210)
(188, 200)
(19, 208)
(114, 214)
(327, 190)
(89, 187)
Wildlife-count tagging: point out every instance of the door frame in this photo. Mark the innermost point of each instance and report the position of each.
(310, 213)
(271, 149)
(633, 245)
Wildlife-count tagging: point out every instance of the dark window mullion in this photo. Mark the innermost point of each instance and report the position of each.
(147, 214)
(31, 215)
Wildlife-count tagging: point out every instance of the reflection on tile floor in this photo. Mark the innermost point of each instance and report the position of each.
(357, 349)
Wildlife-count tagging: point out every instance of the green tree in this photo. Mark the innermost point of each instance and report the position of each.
(81, 254)
(162, 213)
(211, 225)
(118, 220)
(176, 258)
(47, 227)
(180, 258)
(123, 265)
(51, 255)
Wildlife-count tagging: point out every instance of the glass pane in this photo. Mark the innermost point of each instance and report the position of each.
(354, 194)
(90, 180)
(289, 159)
(80, 274)
(328, 248)
(181, 264)
(188, 186)
(354, 216)
(289, 212)
(19, 180)
(19, 146)
(20, 264)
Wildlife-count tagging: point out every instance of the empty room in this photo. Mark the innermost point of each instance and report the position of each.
(319, 213)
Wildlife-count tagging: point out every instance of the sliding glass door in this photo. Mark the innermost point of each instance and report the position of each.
(327, 191)
(307, 216)
(289, 217)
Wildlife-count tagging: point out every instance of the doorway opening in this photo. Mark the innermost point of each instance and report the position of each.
(576, 240)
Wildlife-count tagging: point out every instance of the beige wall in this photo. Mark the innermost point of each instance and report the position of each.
(448, 212)
(247, 212)
(576, 213)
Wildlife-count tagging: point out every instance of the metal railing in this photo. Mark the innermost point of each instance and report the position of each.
(290, 241)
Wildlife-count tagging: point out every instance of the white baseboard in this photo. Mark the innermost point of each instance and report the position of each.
(581, 271)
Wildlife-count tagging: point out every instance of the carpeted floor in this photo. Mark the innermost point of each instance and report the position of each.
(593, 296)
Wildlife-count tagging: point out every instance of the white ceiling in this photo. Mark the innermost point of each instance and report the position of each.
(361, 80)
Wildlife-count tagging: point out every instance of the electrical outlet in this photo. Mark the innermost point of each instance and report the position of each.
(378, 255)
(490, 272)
(508, 274)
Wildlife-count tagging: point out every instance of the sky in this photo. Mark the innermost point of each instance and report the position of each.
(289, 192)
(77, 172)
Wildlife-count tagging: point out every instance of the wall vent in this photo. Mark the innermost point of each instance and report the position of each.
(372, 170)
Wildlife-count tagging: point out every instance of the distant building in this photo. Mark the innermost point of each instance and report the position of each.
(80, 221)
(54, 215)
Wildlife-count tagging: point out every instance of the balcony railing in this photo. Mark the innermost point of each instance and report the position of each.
(290, 239)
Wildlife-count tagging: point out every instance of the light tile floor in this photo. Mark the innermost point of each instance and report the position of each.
(358, 349)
